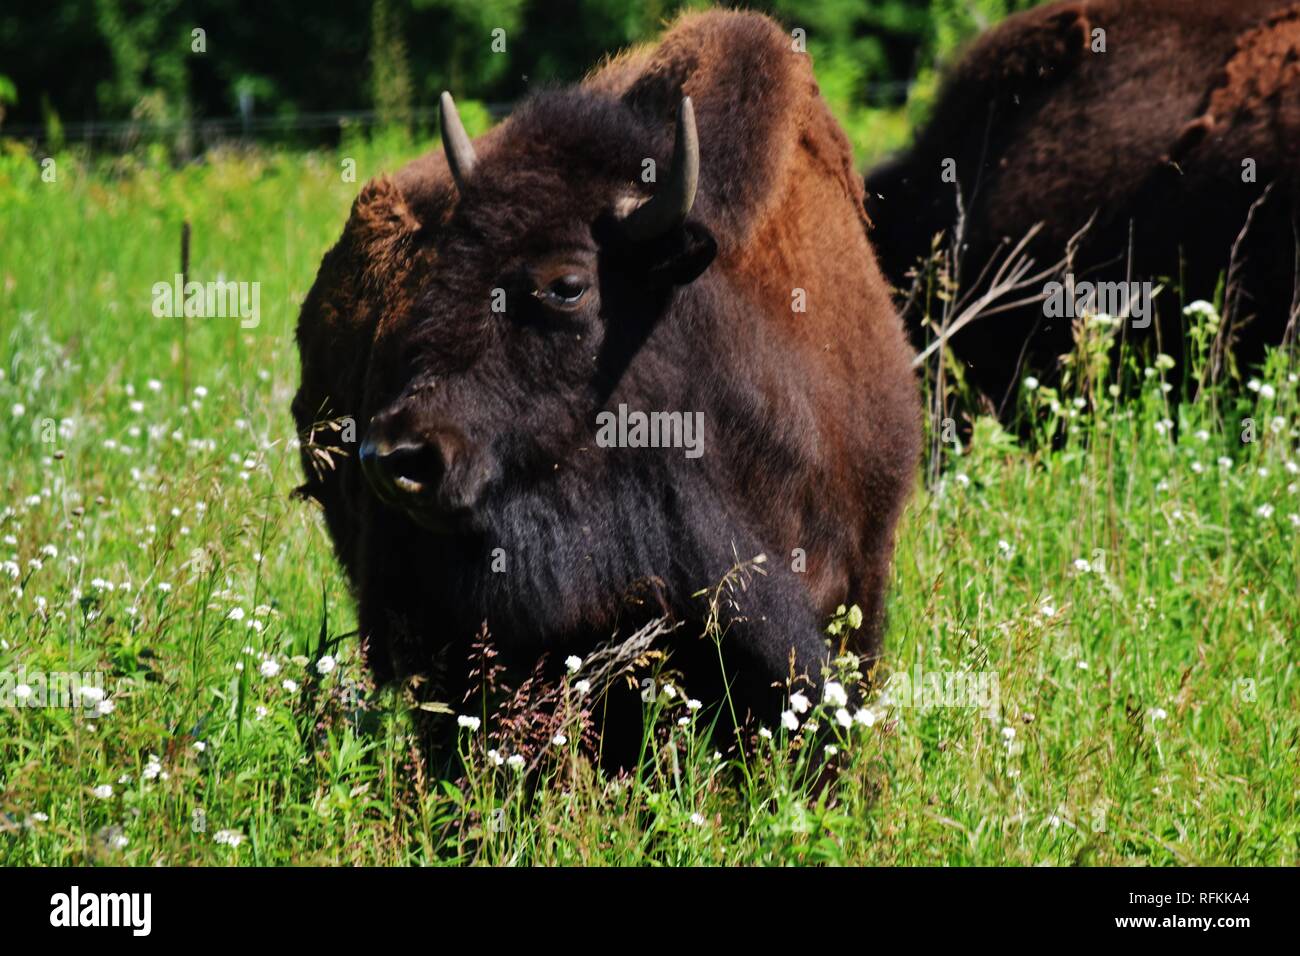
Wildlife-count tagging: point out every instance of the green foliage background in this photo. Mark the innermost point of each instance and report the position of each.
(115, 61)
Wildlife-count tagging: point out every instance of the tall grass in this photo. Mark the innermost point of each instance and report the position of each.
(1133, 592)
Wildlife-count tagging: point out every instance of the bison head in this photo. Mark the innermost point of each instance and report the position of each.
(543, 279)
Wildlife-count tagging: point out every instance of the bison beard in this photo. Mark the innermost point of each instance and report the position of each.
(485, 498)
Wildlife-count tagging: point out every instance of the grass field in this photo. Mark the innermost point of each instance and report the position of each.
(1130, 596)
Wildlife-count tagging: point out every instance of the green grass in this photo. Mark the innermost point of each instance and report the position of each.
(1149, 703)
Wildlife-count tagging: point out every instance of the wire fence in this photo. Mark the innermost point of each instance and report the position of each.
(197, 133)
(210, 130)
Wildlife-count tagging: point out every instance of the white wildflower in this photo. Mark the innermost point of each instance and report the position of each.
(834, 694)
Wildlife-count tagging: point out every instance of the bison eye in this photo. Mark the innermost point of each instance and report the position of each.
(564, 293)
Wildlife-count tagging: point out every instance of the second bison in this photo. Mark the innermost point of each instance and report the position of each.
(1168, 128)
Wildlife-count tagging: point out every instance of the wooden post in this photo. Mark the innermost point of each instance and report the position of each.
(185, 345)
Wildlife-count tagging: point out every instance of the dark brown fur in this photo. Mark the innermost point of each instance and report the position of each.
(812, 420)
(1151, 133)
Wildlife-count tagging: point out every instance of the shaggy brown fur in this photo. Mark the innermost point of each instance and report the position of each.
(811, 418)
(1150, 133)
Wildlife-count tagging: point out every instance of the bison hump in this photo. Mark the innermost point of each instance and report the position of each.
(756, 101)
(1026, 51)
(1254, 103)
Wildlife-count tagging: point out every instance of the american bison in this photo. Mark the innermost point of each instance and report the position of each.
(584, 393)
(1174, 122)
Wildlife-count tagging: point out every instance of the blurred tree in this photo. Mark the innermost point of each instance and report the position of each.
(118, 59)
(147, 52)
(460, 51)
(8, 95)
(390, 74)
(956, 20)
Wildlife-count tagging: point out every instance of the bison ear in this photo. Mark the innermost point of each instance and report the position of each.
(699, 249)
(680, 257)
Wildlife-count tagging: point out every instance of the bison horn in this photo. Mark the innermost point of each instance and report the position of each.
(672, 201)
(459, 150)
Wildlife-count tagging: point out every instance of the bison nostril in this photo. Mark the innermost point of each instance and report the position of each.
(412, 468)
(425, 473)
